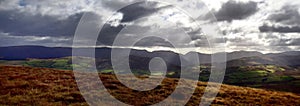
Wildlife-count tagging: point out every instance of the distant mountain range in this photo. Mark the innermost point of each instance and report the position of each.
(237, 58)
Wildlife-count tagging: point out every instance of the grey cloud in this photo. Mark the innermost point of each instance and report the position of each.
(195, 33)
(295, 42)
(281, 48)
(200, 43)
(130, 13)
(113, 4)
(280, 42)
(271, 36)
(25, 24)
(231, 30)
(242, 41)
(286, 42)
(11, 40)
(288, 15)
(281, 29)
(139, 10)
(233, 10)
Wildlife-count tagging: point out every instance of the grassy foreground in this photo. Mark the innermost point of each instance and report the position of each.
(42, 86)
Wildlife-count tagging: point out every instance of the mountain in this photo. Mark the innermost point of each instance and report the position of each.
(24, 52)
(242, 54)
(234, 58)
(138, 58)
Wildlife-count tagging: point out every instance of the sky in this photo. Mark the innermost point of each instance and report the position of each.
(267, 26)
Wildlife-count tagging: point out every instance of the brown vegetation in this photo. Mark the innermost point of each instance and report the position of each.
(42, 86)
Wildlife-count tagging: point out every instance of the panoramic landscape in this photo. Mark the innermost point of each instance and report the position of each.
(110, 53)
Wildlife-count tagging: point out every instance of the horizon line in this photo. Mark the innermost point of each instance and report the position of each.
(154, 49)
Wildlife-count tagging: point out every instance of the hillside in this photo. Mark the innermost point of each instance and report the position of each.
(42, 86)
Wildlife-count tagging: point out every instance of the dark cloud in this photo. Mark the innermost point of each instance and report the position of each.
(281, 29)
(194, 33)
(27, 24)
(113, 4)
(108, 33)
(130, 33)
(130, 13)
(139, 10)
(288, 15)
(233, 10)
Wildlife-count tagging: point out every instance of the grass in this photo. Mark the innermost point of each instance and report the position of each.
(2, 61)
(43, 86)
(61, 63)
(246, 76)
(15, 62)
(279, 78)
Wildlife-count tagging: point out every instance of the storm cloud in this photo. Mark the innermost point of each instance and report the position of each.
(24, 24)
(234, 10)
(281, 29)
(130, 13)
(287, 15)
(138, 10)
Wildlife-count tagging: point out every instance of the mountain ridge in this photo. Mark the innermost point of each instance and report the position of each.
(41, 52)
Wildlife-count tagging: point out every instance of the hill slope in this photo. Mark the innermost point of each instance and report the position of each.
(42, 86)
